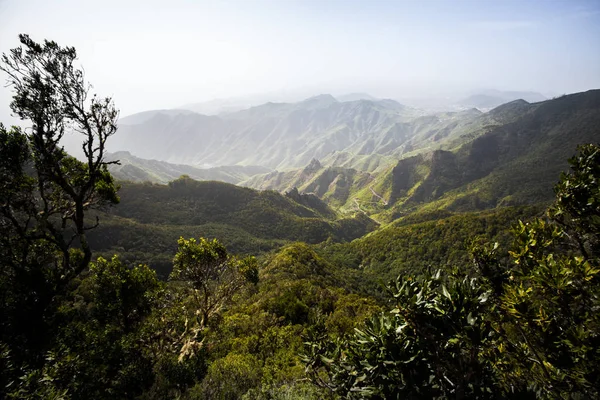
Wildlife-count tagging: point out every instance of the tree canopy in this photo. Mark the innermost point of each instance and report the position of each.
(526, 327)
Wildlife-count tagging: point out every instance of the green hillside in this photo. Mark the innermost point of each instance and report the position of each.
(514, 163)
(150, 218)
(368, 251)
(334, 185)
(508, 156)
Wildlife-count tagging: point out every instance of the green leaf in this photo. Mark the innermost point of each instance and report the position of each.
(470, 319)
(446, 293)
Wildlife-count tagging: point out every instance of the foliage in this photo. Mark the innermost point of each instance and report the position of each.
(214, 276)
(229, 378)
(296, 291)
(528, 328)
(550, 302)
(495, 324)
(577, 205)
(432, 344)
(151, 218)
(420, 240)
(46, 194)
(52, 94)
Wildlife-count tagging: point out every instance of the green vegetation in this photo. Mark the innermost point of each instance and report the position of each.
(523, 328)
(420, 241)
(510, 156)
(224, 292)
(151, 217)
(45, 194)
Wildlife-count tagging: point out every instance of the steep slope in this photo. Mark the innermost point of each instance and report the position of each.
(290, 135)
(362, 162)
(384, 180)
(137, 169)
(334, 185)
(513, 163)
(284, 181)
(362, 134)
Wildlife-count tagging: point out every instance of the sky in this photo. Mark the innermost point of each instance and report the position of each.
(163, 54)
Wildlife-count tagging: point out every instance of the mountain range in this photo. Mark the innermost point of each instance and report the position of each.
(135, 169)
(369, 155)
(289, 135)
(274, 135)
(511, 155)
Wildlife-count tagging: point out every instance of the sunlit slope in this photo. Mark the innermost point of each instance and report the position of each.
(514, 163)
(509, 156)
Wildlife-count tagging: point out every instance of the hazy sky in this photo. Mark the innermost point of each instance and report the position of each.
(161, 54)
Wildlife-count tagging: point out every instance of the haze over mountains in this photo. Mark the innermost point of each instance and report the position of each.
(289, 135)
(137, 169)
(488, 99)
(300, 199)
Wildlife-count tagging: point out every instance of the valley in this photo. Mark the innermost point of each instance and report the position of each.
(469, 176)
(440, 244)
(463, 161)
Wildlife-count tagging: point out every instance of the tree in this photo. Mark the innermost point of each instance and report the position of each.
(214, 278)
(548, 310)
(46, 195)
(102, 334)
(577, 207)
(58, 189)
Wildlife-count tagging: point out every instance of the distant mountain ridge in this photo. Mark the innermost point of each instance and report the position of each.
(135, 169)
(273, 134)
(289, 135)
(508, 156)
(489, 99)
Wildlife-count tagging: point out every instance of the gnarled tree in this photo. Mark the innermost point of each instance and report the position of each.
(213, 277)
(46, 194)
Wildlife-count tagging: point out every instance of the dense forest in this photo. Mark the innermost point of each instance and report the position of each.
(445, 274)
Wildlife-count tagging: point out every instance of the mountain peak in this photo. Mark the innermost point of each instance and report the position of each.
(389, 103)
(313, 166)
(355, 96)
(321, 100)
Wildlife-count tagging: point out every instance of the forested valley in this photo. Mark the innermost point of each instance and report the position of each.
(447, 256)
